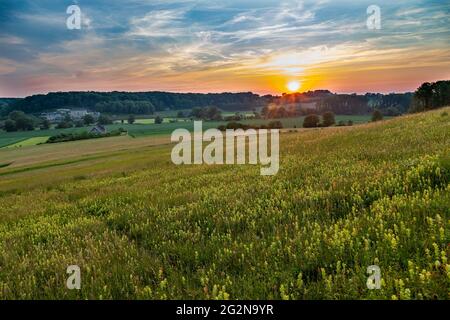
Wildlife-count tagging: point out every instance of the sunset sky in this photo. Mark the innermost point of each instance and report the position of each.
(218, 46)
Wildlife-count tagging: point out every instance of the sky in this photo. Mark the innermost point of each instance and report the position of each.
(222, 46)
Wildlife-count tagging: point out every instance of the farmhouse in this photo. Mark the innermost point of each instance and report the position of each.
(98, 129)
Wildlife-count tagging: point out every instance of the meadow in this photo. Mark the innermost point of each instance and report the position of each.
(140, 227)
(146, 126)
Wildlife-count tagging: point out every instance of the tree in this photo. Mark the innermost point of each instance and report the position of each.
(424, 93)
(212, 113)
(159, 120)
(131, 119)
(311, 121)
(180, 114)
(15, 115)
(64, 125)
(275, 125)
(10, 125)
(377, 115)
(88, 119)
(431, 96)
(68, 118)
(328, 119)
(45, 125)
(104, 120)
(21, 121)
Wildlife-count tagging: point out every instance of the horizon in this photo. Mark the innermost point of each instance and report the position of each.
(266, 47)
(218, 92)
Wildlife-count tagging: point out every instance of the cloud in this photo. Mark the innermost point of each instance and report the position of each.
(197, 44)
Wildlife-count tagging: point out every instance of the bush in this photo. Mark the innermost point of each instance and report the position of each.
(159, 120)
(311, 121)
(10, 125)
(88, 119)
(377, 116)
(328, 119)
(131, 119)
(104, 120)
(45, 125)
(275, 125)
(64, 125)
(79, 124)
(65, 137)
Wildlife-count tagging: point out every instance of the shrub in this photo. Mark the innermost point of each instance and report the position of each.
(159, 120)
(377, 115)
(64, 125)
(79, 124)
(104, 120)
(275, 125)
(328, 119)
(311, 121)
(88, 119)
(10, 125)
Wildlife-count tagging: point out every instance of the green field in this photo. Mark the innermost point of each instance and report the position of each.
(147, 127)
(28, 142)
(140, 227)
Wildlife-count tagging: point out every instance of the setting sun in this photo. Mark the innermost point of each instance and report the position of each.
(293, 86)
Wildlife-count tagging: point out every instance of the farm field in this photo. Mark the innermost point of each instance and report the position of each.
(140, 227)
(29, 142)
(147, 127)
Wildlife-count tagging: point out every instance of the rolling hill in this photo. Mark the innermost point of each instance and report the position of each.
(140, 227)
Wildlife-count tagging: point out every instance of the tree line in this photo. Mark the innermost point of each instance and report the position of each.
(427, 96)
(431, 96)
(135, 102)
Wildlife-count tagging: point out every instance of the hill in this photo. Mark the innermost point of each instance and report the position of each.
(140, 227)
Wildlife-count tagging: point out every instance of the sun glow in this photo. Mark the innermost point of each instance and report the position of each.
(293, 86)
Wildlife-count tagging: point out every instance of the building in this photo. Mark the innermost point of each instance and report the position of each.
(98, 129)
(75, 114)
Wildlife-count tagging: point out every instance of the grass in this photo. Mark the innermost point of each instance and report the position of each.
(9, 140)
(29, 142)
(142, 228)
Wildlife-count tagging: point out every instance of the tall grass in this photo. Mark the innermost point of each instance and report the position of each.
(141, 228)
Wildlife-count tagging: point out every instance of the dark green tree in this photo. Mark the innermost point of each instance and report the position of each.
(424, 93)
(311, 121)
(104, 120)
(328, 119)
(45, 125)
(377, 115)
(88, 119)
(10, 125)
(159, 120)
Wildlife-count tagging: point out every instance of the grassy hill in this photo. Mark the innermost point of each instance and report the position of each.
(141, 227)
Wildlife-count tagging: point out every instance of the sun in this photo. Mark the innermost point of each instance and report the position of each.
(293, 86)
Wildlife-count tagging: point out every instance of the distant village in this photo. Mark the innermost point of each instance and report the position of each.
(75, 114)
